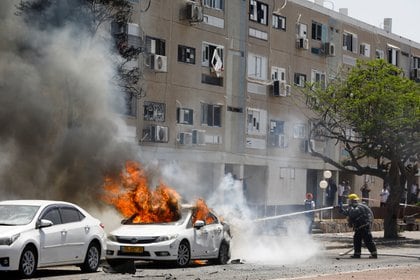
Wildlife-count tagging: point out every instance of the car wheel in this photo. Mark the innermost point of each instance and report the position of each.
(92, 259)
(28, 262)
(184, 254)
(224, 254)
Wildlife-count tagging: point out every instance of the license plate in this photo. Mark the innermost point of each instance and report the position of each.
(132, 249)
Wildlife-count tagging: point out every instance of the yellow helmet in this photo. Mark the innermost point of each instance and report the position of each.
(353, 196)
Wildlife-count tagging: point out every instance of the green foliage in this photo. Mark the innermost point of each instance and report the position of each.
(373, 110)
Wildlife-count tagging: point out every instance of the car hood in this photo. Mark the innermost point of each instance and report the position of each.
(7, 231)
(146, 230)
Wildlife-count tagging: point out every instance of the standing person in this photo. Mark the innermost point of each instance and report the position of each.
(310, 205)
(340, 193)
(414, 190)
(360, 217)
(384, 196)
(365, 193)
(331, 191)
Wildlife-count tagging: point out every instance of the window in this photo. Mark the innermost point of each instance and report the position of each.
(365, 49)
(276, 137)
(186, 54)
(416, 62)
(278, 74)
(155, 46)
(71, 215)
(393, 56)
(318, 78)
(211, 115)
(154, 111)
(53, 215)
(299, 131)
(379, 54)
(300, 79)
(317, 31)
(256, 121)
(184, 116)
(215, 4)
(279, 22)
(212, 56)
(258, 12)
(349, 42)
(257, 66)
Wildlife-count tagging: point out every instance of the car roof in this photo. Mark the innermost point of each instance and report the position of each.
(35, 202)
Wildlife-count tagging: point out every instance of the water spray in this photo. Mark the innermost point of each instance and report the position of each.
(293, 214)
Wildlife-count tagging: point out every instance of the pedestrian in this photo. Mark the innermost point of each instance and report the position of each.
(340, 193)
(360, 217)
(414, 190)
(331, 191)
(310, 216)
(365, 193)
(384, 196)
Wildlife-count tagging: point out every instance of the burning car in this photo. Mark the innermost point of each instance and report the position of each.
(189, 236)
(43, 233)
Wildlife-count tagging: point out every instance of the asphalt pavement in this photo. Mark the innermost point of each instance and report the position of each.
(345, 239)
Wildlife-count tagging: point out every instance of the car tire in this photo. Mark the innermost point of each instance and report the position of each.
(28, 262)
(92, 259)
(224, 254)
(184, 254)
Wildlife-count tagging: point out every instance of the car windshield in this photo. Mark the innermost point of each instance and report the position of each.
(16, 215)
(133, 220)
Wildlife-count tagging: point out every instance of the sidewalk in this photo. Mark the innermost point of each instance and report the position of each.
(345, 239)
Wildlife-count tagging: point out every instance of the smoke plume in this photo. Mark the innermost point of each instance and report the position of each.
(59, 133)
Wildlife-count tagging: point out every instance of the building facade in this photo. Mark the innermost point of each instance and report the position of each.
(222, 82)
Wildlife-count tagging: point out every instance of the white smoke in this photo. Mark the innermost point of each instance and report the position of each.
(268, 242)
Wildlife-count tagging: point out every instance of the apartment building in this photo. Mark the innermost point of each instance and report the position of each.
(222, 82)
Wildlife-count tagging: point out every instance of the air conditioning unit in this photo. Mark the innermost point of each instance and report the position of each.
(194, 12)
(185, 138)
(329, 49)
(198, 137)
(288, 90)
(302, 43)
(159, 63)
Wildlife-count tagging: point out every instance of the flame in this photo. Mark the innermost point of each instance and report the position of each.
(130, 194)
(202, 212)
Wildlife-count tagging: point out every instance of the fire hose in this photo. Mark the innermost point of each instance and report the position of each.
(293, 214)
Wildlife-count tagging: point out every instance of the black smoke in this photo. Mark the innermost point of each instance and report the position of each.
(59, 130)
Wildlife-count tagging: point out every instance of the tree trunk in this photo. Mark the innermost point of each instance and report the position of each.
(393, 202)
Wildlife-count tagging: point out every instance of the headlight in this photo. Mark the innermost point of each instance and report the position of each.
(112, 238)
(166, 237)
(9, 240)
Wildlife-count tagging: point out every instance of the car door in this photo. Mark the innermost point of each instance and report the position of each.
(207, 238)
(77, 231)
(51, 238)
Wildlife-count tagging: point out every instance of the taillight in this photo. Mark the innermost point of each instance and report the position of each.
(102, 225)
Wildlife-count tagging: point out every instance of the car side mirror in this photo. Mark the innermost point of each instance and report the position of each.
(44, 223)
(199, 224)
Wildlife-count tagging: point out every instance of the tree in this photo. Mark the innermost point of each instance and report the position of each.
(372, 112)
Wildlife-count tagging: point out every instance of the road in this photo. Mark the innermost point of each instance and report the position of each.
(394, 262)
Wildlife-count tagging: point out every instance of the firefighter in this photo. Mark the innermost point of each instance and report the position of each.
(360, 217)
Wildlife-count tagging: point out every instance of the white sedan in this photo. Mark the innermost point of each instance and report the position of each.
(41, 233)
(180, 241)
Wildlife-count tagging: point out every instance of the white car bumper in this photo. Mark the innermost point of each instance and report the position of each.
(164, 251)
(9, 257)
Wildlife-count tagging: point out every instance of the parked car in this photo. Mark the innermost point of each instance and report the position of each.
(179, 241)
(42, 233)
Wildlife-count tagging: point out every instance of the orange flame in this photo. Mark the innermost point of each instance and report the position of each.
(202, 212)
(131, 196)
